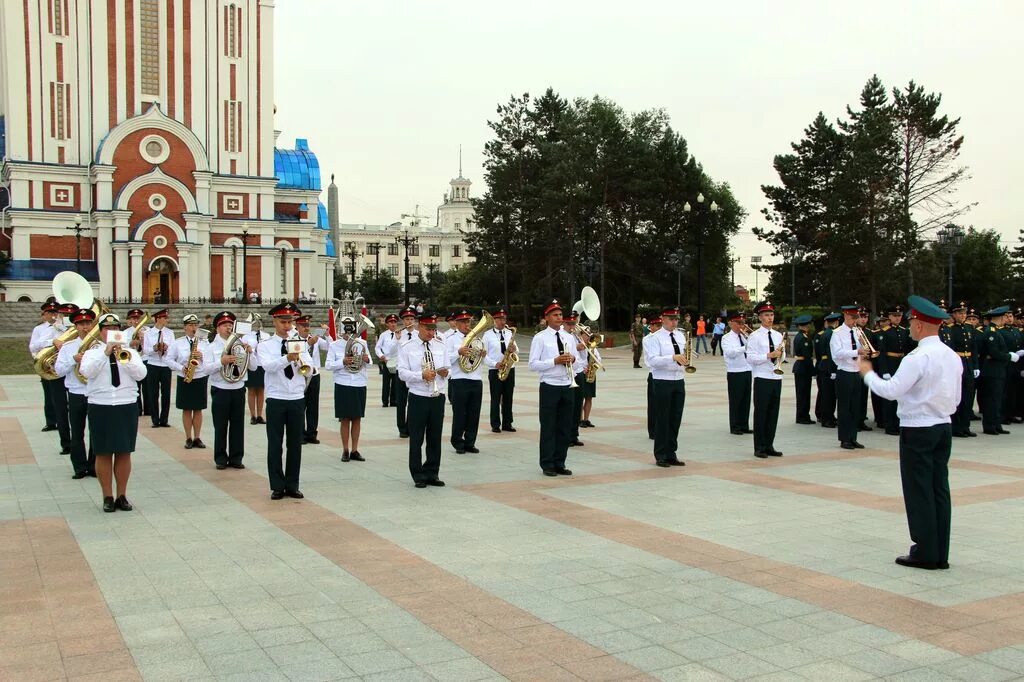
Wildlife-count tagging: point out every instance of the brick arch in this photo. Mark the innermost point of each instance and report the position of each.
(150, 252)
(159, 220)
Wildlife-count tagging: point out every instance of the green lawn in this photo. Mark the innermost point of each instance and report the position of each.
(14, 357)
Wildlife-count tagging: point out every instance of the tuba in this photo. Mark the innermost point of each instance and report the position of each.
(470, 363)
(511, 357)
(589, 305)
(233, 346)
(91, 340)
(68, 287)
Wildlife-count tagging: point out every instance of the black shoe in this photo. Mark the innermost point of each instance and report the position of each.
(677, 463)
(748, 431)
(156, 425)
(459, 451)
(198, 443)
(122, 503)
(736, 432)
(438, 483)
(664, 465)
(48, 428)
(261, 420)
(913, 563)
(494, 430)
(970, 434)
(1004, 432)
(222, 467)
(189, 443)
(277, 495)
(472, 448)
(587, 424)
(806, 421)
(761, 454)
(772, 452)
(975, 418)
(858, 445)
(356, 457)
(960, 434)
(864, 427)
(892, 432)
(311, 441)
(79, 475)
(577, 443)
(943, 565)
(165, 425)
(562, 471)
(294, 494)
(65, 451)
(550, 472)
(108, 504)
(508, 428)
(848, 446)
(403, 435)
(991, 432)
(252, 420)
(236, 465)
(345, 456)
(421, 484)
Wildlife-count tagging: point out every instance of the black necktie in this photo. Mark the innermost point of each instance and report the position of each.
(257, 337)
(410, 336)
(740, 337)
(115, 372)
(771, 344)
(288, 371)
(558, 340)
(675, 346)
(853, 341)
(501, 335)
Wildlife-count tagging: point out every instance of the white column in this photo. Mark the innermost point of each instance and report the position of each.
(270, 276)
(184, 272)
(121, 268)
(104, 261)
(103, 177)
(136, 268)
(202, 190)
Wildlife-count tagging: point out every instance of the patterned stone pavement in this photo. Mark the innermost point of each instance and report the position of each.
(729, 568)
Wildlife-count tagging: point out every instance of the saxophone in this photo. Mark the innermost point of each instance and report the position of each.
(193, 362)
(511, 357)
(593, 364)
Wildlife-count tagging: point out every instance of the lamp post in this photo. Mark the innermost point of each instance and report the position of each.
(78, 229)
(951, 238)
(376, 246)
(792, 250)
(755, 264)
(406, 241)
(679, 259)
(713, 208)
(245, 278)
(351, 253)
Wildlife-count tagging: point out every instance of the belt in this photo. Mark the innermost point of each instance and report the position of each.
(799, 357)
(823, 357)
(964, 354)
(895, 355)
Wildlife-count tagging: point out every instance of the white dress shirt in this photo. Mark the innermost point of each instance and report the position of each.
(178, 355)
(644, 343)
(43, 335)
(274, 362)
(336, 357)
(254, 339)
(492, 342)
(452, 345)
(387, 345)
(410, 366)
(758, 347)
(65, 367)
(152, 337)
(843, 349)
(926, 385)
(96, 368)
(407, 334)
(661, 350)
(544, 350)
(580, 363)
(734, 350)
(214, 352)
(322, 344)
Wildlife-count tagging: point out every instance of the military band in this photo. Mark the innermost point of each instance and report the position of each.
(227, 373)
(188, 357)
(738, 377)
(501, 349)
(155, 346)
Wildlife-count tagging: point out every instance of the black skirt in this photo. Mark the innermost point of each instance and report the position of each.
(191, 396)
(349, 402)
(113, 428)
(254, 378)
(589, 390)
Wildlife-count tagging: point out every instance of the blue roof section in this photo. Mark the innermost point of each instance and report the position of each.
(321, 216)
(47, 269)
(297, 168)
(329, 248)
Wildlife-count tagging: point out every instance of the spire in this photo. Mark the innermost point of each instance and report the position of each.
(460, 160)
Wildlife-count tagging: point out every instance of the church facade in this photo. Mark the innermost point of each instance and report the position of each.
(152, 122)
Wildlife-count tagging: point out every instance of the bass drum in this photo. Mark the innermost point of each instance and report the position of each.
(392, 365)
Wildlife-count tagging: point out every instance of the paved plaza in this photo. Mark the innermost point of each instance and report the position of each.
(729, 568)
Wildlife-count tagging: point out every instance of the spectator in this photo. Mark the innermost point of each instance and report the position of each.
(419, 308)
(302, 296)
(158, 296)
(312, 295)
(717, 334)
(702, 336)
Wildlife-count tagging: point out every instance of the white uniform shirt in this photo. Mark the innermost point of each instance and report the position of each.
(254, 339)
(843, 348)
(405, 335)
(580, 363)
(178, 356)
(410, 366)
(757, 352)
(661, 350)
(274, 362)
(214, 352)
(926, 386)
(42, 336)
(492, 342)
(322, 344)
(96, 368)
(735, 351)
(387, 345)
(336, 356)
(544, 350)
(452, 345)
(152, 337)
(647, 340)
(65, 367)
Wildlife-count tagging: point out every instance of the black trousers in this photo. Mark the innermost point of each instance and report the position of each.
(159, 383)
(825, 404)
(284, 425)
(863, 404)
(143, 399)
(228, 408)
(650, 406)
(426, 421)
(556, 424)
(466, 396)
(48, 413)
(577, 404)
(990, 398)
(58, 398)
(962, 416)
(802, 386)
(501, 398)
(849, 392)
(387, 387)
(924, 472)
(767, 396)
(738, 384)
(401, 393)
(83, 460)
(880, 408)
(312, 397)
(669, 398)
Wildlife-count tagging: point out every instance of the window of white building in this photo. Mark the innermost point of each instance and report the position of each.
(149, 34)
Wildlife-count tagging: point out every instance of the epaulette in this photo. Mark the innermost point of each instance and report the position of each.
(820, 333)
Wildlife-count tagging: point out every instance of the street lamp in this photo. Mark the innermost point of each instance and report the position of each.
(793, 251)
(376, 246)
(713, 208)
(679, 260)
(951, 238)
(406, 241)
(245, 278)
(77, 229)
(351, 253)
(755, 264)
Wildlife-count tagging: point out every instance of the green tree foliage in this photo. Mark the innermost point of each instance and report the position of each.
(378, 287)
(583, 191)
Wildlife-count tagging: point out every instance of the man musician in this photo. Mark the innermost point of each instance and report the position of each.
(133, 318)
(765, 352)
(316, 343)
(667, 359)
(155, 346)
(227, 397)
(738, 375)
(500, 343)
(67, 365)
(423, 367)
(465, 389)
(405, 335)
(387, 348)
(552, 356)
(45, 334)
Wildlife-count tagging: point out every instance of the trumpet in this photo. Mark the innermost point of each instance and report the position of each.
(688, 354)
(428, 364)
(746, 331)
(864, 342)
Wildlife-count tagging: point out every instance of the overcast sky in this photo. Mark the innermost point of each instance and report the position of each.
(386, 91)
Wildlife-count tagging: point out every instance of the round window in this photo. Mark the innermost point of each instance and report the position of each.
(160, 241)
(154, 149)
(157, 202)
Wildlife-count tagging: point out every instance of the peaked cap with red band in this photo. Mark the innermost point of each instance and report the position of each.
(670, 311)
(83, 315)
(764, 307)
(222, 317)
(553, 306)
(285, 310)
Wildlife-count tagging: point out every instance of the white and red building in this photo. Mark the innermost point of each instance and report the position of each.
(154, 121)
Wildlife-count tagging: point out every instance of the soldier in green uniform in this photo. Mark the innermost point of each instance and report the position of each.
(1019, 414)
(894, 344)
(636, 338)
(960, 336)
(1014, 343)
(974, 322)
(803, 369)
(825, 373)
(879, 405)
(994, 356)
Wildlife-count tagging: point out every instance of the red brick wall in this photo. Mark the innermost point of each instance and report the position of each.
(217, 273)
(150, 251)
(287, 209)
(294, 241)
(173, 210)
(45, 246)
(130, 164)
(253, 273)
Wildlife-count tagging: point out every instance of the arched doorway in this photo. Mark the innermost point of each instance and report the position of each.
(162, 281)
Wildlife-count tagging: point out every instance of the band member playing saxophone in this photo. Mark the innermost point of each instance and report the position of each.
(500, 360)
(188, 357)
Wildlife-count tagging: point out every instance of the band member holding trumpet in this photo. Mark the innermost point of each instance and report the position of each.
(227, 372)
(286, 361)
(348, 358)
(502, 355)
(847, 346)
(552, 356)
(423, 365)
(112, 371)
(465, 388)
(738, 376)
(386, 349)
(316, 344)
(765, 353)
(188, 357)
(68, 360)
(155, 346)
(803, 369)
(405, 335)
(668, 361)
(579, 371)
